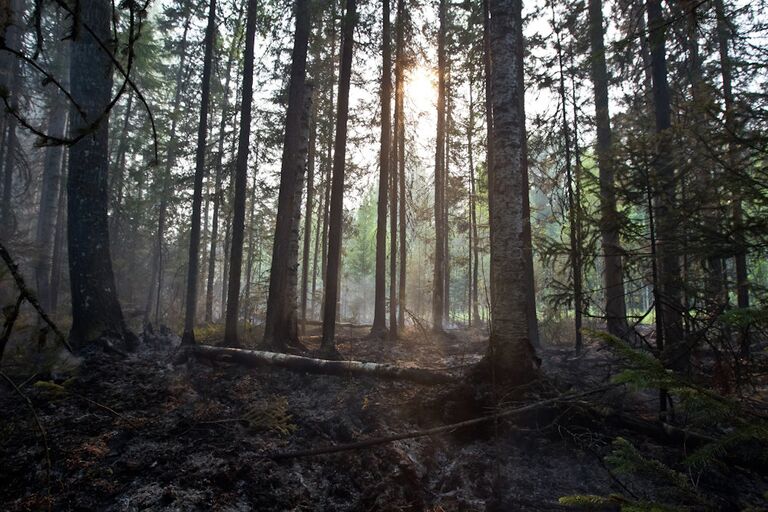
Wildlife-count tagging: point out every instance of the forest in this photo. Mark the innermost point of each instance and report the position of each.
(425, 255)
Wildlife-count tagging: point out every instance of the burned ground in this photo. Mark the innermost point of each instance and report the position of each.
(144, 433)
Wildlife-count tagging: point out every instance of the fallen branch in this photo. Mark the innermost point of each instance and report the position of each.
(29, 296)
(367, 443)
(40, 428)
(323, 366)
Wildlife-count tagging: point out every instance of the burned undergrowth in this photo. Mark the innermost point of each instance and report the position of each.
(143, 433)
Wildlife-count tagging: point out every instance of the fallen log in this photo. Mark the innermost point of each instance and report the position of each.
(324, 366)
(339, 324)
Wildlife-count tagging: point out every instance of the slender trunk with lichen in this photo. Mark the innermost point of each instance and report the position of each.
(511, 353)
(333, 273)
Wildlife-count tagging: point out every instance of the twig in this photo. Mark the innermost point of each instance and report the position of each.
(367, 443)
(30, 297)
(40, 428)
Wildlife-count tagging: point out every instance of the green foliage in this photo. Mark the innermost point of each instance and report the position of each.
(745, 317)
(592, 502)
(270, 415)
(627, 460)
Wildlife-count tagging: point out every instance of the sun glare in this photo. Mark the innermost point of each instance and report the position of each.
(421, 87)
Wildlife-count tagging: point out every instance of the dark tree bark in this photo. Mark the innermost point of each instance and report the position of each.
(197, 196)
(11, 73)
(400, 163)
(117, 182)
(156, 285)
(438, 280)
(231, 337)
(217, 193)
(575, 250)
(307, 238)
(379, 310)
(726, 72)
(293, 261)
(49, 199)
(95, 308)
(278, 324)
(510, 350)
(474, 251)
(669, 311)
(446, 180)
(393, 192)
(58, 242)
(613, 278)
(328, 344)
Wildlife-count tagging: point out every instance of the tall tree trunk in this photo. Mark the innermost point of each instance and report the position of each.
(117, 182)
(197, 198)
(474, 254)
(170, 161)
(95, 308)
(293, 255)
(10, 81)
(446, 180)
(393, 191)
(726, 72)
(400, 163)
(58, 241)
(228, 205)
(316, 254)
(248, 308)
(328, 344)
(574, 251)
(241, 183)
(49, 198)
(510, 353)
(675, 354)
(217, 193)
(277, 326)
(438, 280)
(329, 156)
(613, 278)
(379, 309)
(307, 238)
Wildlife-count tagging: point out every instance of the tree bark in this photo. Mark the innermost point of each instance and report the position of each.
(663, 169)
(302, 160)
(231, 336)
(10, 80)
(400, 163)
(49, 198)
(438, 280)
(474, 252)
(197, 198)
(379, 310)
(278, 326)
(726, 72)
(95, 308)
(574, 250)
(217, 192)
(613, 277)
(510, 353)
(307, 238)
(328, 344)
(58, 240)
(170, 160)
(258, 358)
(393, 191)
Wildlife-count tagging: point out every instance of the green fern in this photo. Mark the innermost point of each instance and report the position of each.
(626, 459)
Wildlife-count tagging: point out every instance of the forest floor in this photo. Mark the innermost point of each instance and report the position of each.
(144, 433)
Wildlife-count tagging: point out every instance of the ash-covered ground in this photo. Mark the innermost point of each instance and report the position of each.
(144, 432)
